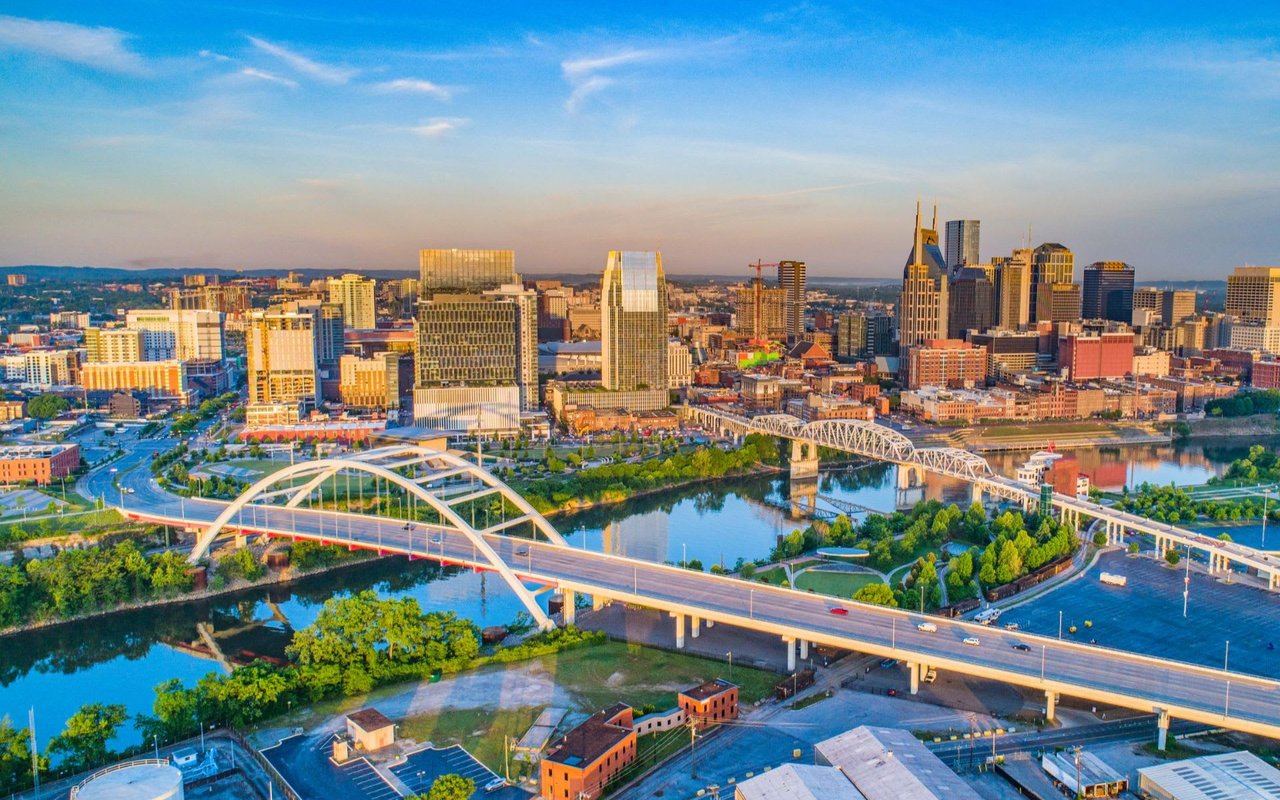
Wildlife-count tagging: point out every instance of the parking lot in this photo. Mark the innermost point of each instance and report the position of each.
(1146, 615)
(305, 765)
(422, 767)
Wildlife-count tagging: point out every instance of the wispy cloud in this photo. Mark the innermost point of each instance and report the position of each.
(439, 127)
(322, 72)
(579, 69)
(587, 76)
(215, 56)
(270, 77)
(101, 48)
(584, 89)
(414, 86)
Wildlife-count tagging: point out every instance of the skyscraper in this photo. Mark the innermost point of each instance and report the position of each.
(1059, 302)
(791, 280)
(772, 324)
(1050, 263)
(971, 298)
(1108, 291)
(923, 306)
(462, 270)
(633, 316)
(962, 243)
(1177, 305)
(1253, 293)
(282, 363)
(475, 344)
(1013, 289)
(356, 295)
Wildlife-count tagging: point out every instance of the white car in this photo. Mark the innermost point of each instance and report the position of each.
(972, 641)
(927, 627)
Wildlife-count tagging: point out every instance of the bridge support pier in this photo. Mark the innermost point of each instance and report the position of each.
(1050, 705)
(695, 626)
(791, 653)
(711, 623)
(804, 649)
(975, 494)
(1273, 581)
(804, 459)
(679, 631)
(569, 612)
(1162, 729)
(598, 602)
(914, 669)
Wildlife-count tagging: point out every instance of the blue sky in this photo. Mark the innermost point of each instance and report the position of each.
(319, 134)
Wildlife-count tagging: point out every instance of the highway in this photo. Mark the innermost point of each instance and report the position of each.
(1186, 691)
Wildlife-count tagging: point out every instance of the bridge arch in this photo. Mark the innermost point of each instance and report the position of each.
(437, 467)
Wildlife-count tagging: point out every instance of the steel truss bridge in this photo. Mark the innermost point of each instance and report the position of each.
(425, 504)
(879, 442)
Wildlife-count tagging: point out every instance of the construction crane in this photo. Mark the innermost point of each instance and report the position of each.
(757, 290)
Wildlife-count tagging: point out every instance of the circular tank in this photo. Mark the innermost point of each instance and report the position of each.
(149, 780)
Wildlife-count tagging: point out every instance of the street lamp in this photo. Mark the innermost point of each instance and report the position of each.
(730, 655)
(1059, 623)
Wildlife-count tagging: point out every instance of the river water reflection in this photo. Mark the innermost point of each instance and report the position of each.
(119, 658)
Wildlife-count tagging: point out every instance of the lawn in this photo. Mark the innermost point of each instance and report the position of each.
(16, 530)
(481, 731)
(835, 584)
(1049, 429)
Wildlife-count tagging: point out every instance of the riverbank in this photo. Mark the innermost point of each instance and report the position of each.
(282, 577)
(578, 506)
(1063, 435)
(1257, 425)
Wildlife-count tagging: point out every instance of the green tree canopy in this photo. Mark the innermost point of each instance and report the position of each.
(451, 787)
(83, 744)
(47, 406)
(877, 594)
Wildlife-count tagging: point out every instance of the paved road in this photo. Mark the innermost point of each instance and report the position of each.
(1250, 703)
(1141, 728)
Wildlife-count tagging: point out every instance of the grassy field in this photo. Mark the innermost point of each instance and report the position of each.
(595, 677)
(71, 523)
(481, 731)
(835, 584)
(1060, 430)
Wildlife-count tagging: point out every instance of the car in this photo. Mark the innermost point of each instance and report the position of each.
(437, 539)
(1022, 648)
(840, 611)
(494, 785)
(1012, 626)
(972, 641)
(892, 692)
(927, 627)
(522, 551)
(888, 663)
(930, 676)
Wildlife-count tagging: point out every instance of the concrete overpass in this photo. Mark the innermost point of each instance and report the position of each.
(693, 599)
(879, 442)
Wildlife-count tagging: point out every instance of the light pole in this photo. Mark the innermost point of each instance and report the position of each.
(1266, 495)
(730, 655)
(684, 555)
(751, 603)
(1044, 649)
(1059, 623)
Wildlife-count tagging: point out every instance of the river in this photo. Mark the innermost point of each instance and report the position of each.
(121, 657)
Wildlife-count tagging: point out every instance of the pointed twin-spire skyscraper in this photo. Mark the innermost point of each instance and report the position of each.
(922, 309)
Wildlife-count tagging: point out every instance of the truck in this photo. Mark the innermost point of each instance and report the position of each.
(1111, 579)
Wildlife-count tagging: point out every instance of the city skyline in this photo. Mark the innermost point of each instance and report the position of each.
(214, 137)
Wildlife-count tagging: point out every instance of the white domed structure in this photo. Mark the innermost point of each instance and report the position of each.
(148, 779)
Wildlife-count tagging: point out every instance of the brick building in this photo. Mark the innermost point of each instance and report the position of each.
(40, 464)
(711, 703)
(1087, 357)
(582, 762)
(1266, 375)
(946, 362)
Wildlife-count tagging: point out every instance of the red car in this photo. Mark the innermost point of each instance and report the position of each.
(841, 611)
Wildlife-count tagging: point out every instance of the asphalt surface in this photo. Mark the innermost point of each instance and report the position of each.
(1069, 666)
(304, 764)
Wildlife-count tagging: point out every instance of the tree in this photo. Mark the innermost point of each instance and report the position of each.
(877, 594)
(1100, 539)
(15, 755)
(1172, 556)
(450, 787)
(47, 406)
(83, 744)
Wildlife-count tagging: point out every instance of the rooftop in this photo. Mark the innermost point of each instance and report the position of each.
(799, 782)
(1228, 776)
(32, 451)
(891, 764)
(370, 719)
(708, 690)
(589, 741)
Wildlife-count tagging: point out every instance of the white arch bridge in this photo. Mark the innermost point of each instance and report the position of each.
(427, 504)
(432, 491)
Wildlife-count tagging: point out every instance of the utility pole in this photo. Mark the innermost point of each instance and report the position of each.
(35, 751)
